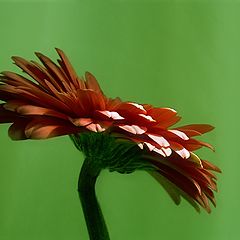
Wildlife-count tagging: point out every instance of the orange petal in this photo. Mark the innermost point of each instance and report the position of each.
(90, 101)
(30, 69)
(12, 105)
(112, 104)
(67, 67)
(92, 83)
(81, 122)
(47, 128)
(17, 80)
(54, 70)
(35, 110)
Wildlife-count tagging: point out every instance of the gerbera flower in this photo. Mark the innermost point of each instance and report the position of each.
(119, 135)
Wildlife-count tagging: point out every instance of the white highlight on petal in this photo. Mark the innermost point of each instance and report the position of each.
(100, 128)
(140, 145)
(167, 151)
(179, 134)
(113, 115)
(159, 140)
(138, 106)
(149, 145)
(159, 151)
(116, 116)
(184, 153)
(147, 117)
(95, 127)
(171, 109)
(133, 129)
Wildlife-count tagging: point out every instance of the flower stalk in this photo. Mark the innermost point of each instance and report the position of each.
(96, 225)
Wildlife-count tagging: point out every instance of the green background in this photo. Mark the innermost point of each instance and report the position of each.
(179, 54)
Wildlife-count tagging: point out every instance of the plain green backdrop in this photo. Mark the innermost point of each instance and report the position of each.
(179, 54)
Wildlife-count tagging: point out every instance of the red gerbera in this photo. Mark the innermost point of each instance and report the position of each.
(58, 102)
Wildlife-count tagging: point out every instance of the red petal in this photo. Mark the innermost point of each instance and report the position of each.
(111, 114)
(193, 144)
(179, 134)
(174, 191)
(210, 166)
(126, 108)
(201, 128)
(134, 129)
(7, 116)
(166, 152)
(161, 114)
(179, 149)
(189, 133)
(161, 141)
(17, 130)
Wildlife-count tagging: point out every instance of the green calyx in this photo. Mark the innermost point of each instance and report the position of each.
(106, 151)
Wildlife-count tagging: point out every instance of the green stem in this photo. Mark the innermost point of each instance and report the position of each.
(96, 225)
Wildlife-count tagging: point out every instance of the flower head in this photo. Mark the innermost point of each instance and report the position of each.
(57, 102)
